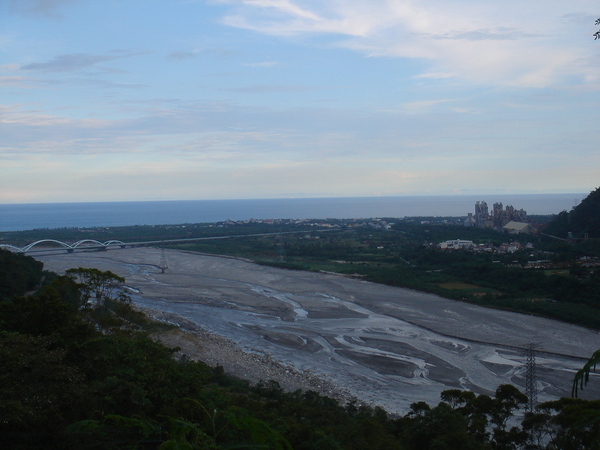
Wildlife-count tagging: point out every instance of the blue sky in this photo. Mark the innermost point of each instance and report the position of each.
(211, 99)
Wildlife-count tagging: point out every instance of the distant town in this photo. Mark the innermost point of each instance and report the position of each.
(509, 219)
(502, 219)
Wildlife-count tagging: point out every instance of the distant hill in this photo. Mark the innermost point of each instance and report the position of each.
(584, 218)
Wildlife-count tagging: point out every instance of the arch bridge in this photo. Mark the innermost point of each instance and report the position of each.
(92, 244)
(84, 244)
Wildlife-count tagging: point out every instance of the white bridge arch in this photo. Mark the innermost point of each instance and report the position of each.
(84, 243)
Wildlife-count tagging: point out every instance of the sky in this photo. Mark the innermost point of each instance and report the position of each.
(135, 100)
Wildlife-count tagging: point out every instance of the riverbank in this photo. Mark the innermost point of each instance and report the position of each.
(198, 344)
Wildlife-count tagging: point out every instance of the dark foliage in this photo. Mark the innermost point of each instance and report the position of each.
(19, 274)
(581, 220)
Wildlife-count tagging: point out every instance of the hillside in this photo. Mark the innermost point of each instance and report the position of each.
(581, 220)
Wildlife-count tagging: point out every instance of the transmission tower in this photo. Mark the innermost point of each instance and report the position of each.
(531, 379)
(163, 266)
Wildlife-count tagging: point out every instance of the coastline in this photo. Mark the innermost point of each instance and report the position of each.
(28, 216)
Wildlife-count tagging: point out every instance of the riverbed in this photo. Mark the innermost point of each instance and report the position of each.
(386, 346)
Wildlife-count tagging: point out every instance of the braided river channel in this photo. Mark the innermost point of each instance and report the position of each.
(387, 346)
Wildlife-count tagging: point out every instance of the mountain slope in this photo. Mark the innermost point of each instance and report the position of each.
(584, 218)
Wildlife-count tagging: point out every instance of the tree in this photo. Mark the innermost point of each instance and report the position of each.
(41, 315)
(568, 423)
(582, 377)
(597, 33)
(40, 391)
(101, 283)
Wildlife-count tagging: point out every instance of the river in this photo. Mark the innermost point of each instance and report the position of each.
(387, 346)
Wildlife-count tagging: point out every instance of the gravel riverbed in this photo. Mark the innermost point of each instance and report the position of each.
(214, 350)
(341, 337)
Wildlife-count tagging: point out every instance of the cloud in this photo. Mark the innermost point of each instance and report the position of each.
(9, 67)
(213, 52)
(48, 8)
(286, 18)
(281, 7)
(92, 82)
(436, 76)
(16, 115)
(220, 134)
(511, 43)
(13, 81)
(424, 106)
(208, 150)
(487, 34)
(74, 62)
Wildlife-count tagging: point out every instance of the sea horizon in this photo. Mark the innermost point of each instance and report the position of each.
(27, 216)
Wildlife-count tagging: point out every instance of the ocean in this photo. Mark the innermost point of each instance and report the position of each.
(18, 217)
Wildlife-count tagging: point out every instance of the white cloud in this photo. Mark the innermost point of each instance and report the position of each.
(436, 75)
(530, 44)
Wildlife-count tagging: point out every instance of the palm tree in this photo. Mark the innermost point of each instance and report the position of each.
(582, 377)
